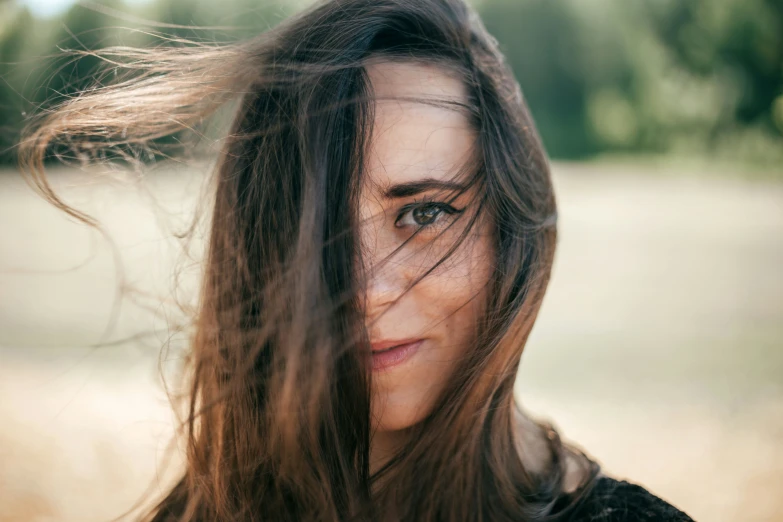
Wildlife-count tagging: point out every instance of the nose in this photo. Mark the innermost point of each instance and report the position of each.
(384, 276)
(383, 287)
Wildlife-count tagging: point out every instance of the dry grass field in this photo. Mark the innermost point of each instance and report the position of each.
(659, 348)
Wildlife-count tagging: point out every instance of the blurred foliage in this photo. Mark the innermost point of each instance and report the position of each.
(693, 77)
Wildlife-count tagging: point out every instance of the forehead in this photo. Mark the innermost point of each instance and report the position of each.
(413, 139)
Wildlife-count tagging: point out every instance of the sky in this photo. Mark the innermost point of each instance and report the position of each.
(47, 8)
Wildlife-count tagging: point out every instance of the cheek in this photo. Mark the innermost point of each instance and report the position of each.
(458, 287)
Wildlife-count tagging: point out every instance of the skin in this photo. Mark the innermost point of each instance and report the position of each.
(413, 142)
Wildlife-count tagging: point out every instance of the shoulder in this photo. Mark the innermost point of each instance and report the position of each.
(613, 500)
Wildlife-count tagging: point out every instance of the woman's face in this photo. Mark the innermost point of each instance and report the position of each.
(417, 150)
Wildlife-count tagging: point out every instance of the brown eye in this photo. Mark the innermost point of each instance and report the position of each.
(423, 214)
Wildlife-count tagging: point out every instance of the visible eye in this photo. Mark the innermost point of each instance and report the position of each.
(423, 214)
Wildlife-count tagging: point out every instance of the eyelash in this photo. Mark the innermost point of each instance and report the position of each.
(444, 208)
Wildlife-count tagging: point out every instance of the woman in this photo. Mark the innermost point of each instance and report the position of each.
(381, 240)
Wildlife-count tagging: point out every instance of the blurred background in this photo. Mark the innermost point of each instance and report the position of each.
(659, 348)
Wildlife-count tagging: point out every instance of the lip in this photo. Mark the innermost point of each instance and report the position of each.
(387, 354)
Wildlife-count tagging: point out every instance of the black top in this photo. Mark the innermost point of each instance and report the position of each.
(620, 501)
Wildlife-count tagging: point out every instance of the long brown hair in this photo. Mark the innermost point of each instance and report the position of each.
(279, 422)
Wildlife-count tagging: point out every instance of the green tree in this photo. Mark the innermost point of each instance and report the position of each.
(542, 42)
(82, 29)
(738, 43)
(12, 106)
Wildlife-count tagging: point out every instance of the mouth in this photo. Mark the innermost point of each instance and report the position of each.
(387, 354)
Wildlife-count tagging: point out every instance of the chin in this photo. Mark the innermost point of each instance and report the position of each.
(391, 417)
(394, 423)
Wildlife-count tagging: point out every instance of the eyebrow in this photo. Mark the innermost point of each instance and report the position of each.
(412, 188)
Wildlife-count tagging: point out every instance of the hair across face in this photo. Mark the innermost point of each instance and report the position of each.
(414, 208)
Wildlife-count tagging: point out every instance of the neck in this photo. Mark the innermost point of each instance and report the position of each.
(384, 446)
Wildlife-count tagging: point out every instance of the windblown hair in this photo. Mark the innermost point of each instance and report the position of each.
(279, 425)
